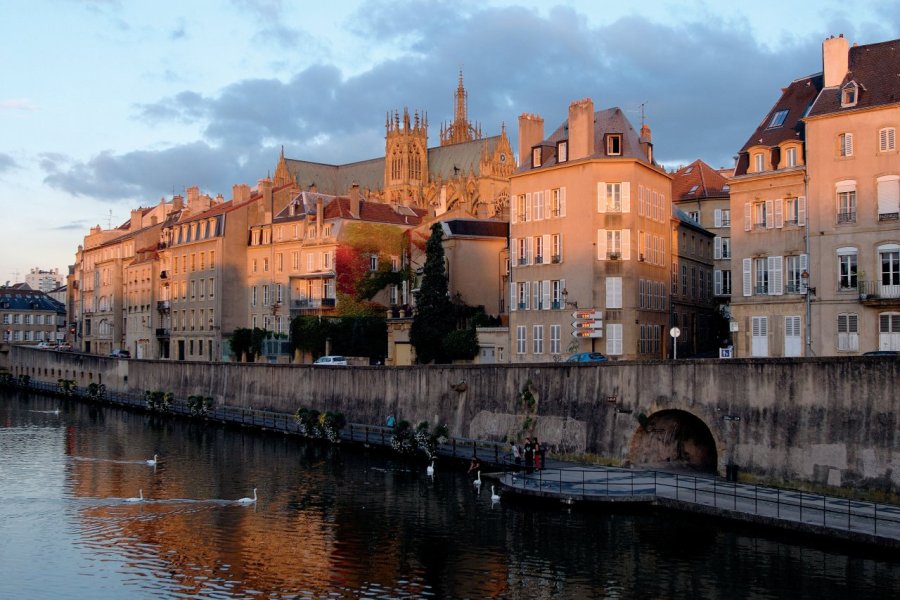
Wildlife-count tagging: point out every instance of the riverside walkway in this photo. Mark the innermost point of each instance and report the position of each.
(849, 519)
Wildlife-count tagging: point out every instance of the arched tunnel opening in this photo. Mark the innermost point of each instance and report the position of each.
(674, 439)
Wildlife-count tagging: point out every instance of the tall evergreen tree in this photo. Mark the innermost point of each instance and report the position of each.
(434, 318)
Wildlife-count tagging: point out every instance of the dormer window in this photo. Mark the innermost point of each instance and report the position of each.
(562, 151)
(536, 157)
(778, 118)
(849, 95)
(614, 144)
(759, 162)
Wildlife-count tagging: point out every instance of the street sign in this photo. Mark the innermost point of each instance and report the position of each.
(675, 332)
(587, 324)
(588, 313)
(587, 333)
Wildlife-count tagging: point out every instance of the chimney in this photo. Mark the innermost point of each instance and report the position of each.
(240, 192)
(177, 202)
(354, 200)
(193, 194)
(135, 219)
(264, 186)
(531, 133)
(835, 60)
(581, 129)
(320, 215)
(647, 141)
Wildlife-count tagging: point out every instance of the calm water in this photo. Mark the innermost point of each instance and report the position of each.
(342, 523)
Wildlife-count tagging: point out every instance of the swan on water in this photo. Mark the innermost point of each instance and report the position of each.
(494, 496)
(140, 497)
(152, 461)
(429, 470)
(248, 500)
(477, 482)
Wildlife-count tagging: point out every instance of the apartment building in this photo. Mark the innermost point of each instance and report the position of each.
(590, 231)
(691, 298)
(30, 316)
(854, 187)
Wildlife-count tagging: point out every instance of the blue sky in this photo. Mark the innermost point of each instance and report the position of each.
(107, 105)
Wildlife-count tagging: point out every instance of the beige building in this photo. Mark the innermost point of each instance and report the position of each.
(30, 316)
(854, 187)
(589, 230)
(691, 298)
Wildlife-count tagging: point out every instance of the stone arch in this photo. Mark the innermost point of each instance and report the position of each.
(676, 439)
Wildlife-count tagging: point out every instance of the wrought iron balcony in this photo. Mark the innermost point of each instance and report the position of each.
(876, 293)
(846, 216)
(162, 332)
(163, 306)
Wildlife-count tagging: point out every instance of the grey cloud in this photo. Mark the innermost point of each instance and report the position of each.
(7, 162)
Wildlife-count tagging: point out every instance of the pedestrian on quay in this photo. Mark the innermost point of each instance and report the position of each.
(538, 463)
(529, 456)
(516, 454)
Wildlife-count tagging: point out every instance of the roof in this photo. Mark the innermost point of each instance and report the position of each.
(698, 180)
(477, 228)
(610, 120)
(688, 222)
(19, 299)
(795, 99)
(875, 68)
(444, 162)
(373, 212)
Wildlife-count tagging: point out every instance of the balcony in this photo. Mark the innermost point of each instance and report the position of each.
(538, 260)
(556, 259)
(162, 333)
(163, 306)
(794, 288)
(888, 217)
(761, 289)
(312, 303)
(846, 216)
(613, 256)
(556, 305)
(759, 226)
(522, 261)
(875, 293)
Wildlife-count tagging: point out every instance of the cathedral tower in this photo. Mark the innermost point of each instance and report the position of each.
(460, 130)
(405, 158)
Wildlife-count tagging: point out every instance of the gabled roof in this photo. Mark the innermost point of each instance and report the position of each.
(876, 70)
(796, 98)
(698, 180)
(373, 212)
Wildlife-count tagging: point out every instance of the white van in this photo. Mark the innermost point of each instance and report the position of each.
(331, 360)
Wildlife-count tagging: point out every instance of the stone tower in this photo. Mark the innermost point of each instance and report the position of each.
(405, 158)
(460, 130)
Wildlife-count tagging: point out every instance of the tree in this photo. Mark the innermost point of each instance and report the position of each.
(249, 342)
(434, 318)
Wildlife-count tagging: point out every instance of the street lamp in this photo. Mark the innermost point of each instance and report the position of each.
(565, 298)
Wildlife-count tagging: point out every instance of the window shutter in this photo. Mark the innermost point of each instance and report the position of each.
(538, 206)
(801, 211)
(526, 210)
(560, 237)
(546, 286)
(601, 244)
(804, 266)
(513, 250)
(717, 217)
(888, 195)
(747, 265)
(536, 290)
(548, 248)
(527, 255)
(548, 204)
(747, 216)
(770, 208)
(776, 275)
(717, 247)
(513, 206)
(640, 200)
(626, 244)
(717, 285)
(527, 294)
(601, 197)
(513, 301)
(562, 201)
(848, 143)
(626, 197)
(779, 213)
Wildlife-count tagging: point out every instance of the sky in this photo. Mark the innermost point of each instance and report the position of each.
(108, 105)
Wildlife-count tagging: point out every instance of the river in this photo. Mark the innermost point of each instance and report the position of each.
(345, 522)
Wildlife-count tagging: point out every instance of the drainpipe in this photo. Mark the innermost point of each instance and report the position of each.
(808, 266)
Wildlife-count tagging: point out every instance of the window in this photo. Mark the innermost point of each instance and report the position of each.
(847, 268)
(759, 162)
(613, 197)
(211, 287)
(613, 245)
(522, 295)
(373, 263)
(538, 341)
(520, 339)
(613, 144)
(556, 248)
(722, 217)
(253, 296)
(614, 339)
(790, 157)
(722, 282)
(555, 341)
(556, 288)
(886, 139)
(759, 345)
(558, 202)
(848, 332)
(845, 144)
(726, 247)
(562, 151)
(888, 198)
(253, 266)
(794, 267)
(778, 118)
(613, 292)
(538, 206)
(760, 215)
(395, 264)
(849, 95)
(694, 215)
(538, 250)
(212, 259)
(889, 256)
(846, 200)
(265, 295)
(536, 157)
(795, 211)
(522, 244)
(265, 265)
(762, 275)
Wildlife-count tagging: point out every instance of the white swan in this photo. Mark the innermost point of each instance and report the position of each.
(494, 496)
(429, 470)
(140, 497)
(152, 461)
(248, 500)
(477, 482)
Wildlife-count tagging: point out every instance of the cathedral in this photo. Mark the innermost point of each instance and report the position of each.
(467, 175)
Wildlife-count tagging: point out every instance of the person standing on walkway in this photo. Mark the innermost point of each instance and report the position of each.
(516, 454)
(529, 456)
(538, 464)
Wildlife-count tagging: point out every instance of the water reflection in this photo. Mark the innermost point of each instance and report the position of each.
(340, 522)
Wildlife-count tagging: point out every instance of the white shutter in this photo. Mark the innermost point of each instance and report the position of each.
(560, 237)
(562, 201)
(538, 206)
(804, 266)
(548, 204)
(717, 283)
(601, 244)
(527, 255)
(770, 211)
(513, 206)
(626, 244)
(717, 217)
(626, 196)
(889, 194)
(536, 290)
(747, 216)
(526, 210)
(601, 197)
(717, 247)
(848, 143)
(779, 213)
(548, 248)
(613, 292)
(513, 252)
(801, 211)
(640, 200)
(527, 285)
(546, 287)
(776, 275)
(513, 300)
(747, 264)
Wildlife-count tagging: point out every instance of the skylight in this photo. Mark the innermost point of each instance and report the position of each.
(693, 189)
(778, 118)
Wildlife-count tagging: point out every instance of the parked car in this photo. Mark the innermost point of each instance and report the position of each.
(64, 346)
(120, 354)
(47, 345)
(331, 360)
(881, 353)
(587, 357)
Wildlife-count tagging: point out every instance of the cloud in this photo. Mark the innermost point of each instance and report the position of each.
(17, 104)
(704, 86)
(7, 162)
